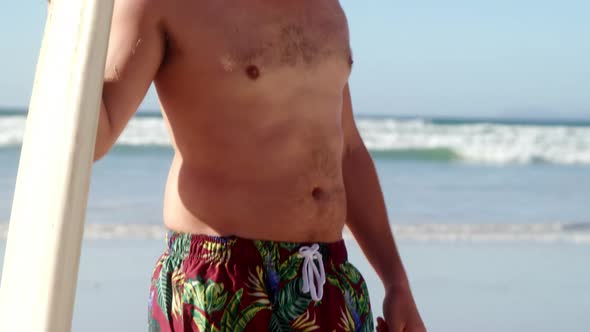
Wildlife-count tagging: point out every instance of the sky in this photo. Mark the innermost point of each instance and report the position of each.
(457, 58)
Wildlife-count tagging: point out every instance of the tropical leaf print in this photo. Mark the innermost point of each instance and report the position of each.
(269, 252)
(290, 246)
(160, 263)
(350, 272)
(291, 302)
(290, 267)
(346, 284)
(194, 292)
(215, 296)
(334, 281)
(177, 291)
(368, 326)
(218, 252)
(231, 311)
(257, 286)
(274, 284)
(181, 246)
(169, 263)
(356, 296)
(352, 308)
(275, 325)
(202, 323)
(346, 321)
(246, 316)
(361, 298)
(363, 302)
(304, 323)
(208, 297)
(153, 325)
(272, 281)
(163, 288)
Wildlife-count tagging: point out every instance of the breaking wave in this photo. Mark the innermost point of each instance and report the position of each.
(405, 139)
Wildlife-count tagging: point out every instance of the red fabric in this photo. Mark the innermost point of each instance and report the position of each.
(205, 283)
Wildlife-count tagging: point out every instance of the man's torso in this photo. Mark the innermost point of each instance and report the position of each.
(251, 92)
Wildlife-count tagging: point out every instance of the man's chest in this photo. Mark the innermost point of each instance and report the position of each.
(236, 34)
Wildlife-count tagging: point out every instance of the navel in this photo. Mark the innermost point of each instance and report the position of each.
(253, 72)
(317, 193)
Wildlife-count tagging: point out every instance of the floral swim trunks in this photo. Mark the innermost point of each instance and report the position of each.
(206, 283)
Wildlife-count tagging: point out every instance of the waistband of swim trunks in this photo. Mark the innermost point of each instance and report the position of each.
(242, 250)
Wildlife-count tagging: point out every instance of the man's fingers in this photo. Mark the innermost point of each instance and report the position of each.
(381, 325)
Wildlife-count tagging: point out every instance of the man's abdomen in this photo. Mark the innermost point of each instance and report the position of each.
(293, 200)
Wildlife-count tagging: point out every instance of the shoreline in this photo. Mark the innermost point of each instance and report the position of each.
(547, 233)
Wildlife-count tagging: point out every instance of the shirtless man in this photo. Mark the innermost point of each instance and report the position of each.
(268, 168)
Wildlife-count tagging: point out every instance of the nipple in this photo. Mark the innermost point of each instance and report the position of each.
(253, 72)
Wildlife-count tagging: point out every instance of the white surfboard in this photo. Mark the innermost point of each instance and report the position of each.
(47, 221)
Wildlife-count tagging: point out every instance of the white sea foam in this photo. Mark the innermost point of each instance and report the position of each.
(145, 131)
(12, 129)
(481, 142)
(141, 131)
(476, 233)
(487, 143)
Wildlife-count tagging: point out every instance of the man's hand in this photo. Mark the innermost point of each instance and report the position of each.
(400, 312)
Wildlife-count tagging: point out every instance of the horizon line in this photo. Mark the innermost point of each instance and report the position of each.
(568, 118)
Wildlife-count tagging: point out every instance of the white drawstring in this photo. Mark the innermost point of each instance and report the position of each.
(311, 275)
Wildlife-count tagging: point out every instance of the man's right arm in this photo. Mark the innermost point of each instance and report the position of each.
(103, 133)
(136, 50)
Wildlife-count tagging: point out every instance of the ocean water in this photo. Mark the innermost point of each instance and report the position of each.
(432, 171)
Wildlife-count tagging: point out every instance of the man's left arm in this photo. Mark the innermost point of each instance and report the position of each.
(368, 222)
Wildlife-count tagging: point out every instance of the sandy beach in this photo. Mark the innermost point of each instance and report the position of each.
(459, 286)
